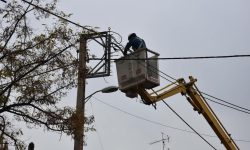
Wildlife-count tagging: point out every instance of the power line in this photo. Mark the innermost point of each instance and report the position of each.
(232, 105)
(158, 59)
(188, 124)
(183, 119)
(158, 123)
(4, 1)
(208, 57)
(245, 110)
(225, 101)
(201, 57)
(142, 118)
(54, 14)
(177, 113)
(67, 20)
(84, 27)
(99, 137)
(178, 58)
(227, 105)
(156, 71)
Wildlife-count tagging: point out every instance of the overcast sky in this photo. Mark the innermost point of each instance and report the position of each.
(173, 28)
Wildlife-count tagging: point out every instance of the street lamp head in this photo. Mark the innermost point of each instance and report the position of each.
(109, 89)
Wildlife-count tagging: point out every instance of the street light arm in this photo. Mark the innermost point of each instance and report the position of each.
(108, 89)
(88, 97)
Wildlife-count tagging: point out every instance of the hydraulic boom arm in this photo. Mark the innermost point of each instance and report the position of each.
(197, 101)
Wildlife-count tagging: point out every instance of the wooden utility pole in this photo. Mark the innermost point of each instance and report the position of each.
(79, 132)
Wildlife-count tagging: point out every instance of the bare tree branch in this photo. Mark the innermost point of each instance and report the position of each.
(13, 31)
(34, 68)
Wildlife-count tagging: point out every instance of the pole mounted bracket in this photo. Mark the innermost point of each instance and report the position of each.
(99, 42)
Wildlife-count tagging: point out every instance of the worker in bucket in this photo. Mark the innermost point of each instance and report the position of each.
(135, 42)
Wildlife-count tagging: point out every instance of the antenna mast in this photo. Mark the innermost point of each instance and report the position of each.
(162, 140)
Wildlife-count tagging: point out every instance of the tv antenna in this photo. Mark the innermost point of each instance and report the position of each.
(163, 140)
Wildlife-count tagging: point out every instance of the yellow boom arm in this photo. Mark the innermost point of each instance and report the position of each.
(197, 101)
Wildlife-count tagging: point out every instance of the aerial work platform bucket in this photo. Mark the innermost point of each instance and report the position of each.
(139, 68)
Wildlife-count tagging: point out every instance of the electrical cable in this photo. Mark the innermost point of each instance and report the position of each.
(228, 56)
(99, 137)
(92, 30)
(232, 105)
(156, 72)
(180, 58)
(183, 119)
(115, 38)
(67, 20)
(174, 80)
(225, 101)
(117, 45)
(85, 27)
(45, 10)
(157, 123)
(4, 1)
(178, 114)
(188, 124)
(142, 118)
(147, 120)
(226, 105)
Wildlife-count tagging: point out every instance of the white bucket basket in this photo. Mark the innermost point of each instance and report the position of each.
(139, 68)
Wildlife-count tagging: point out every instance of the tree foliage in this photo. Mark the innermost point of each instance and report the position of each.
(37, 68)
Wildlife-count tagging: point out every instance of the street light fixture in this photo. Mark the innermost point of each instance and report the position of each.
(108, 89)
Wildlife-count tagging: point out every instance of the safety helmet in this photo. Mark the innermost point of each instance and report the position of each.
(132, 35)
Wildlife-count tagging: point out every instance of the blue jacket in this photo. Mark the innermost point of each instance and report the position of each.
(135, 43)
